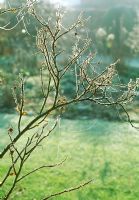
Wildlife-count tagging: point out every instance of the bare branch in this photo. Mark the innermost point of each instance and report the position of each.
(41, 167)
(69, 190)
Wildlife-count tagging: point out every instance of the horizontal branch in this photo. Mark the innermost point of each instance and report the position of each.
(41, 167)
(69, 190)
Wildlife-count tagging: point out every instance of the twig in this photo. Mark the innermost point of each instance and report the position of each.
(69, 190)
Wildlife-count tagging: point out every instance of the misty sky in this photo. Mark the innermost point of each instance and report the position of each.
(66, 2)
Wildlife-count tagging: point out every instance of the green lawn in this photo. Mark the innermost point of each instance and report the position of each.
(106, 151)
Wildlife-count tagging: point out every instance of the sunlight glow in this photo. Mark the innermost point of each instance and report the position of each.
(66, 2)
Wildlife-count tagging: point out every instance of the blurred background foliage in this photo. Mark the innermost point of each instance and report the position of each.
(113, 28)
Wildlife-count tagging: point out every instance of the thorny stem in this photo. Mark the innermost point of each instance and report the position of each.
(21, 106)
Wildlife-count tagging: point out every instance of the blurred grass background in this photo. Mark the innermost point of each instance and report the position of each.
(107, 152)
